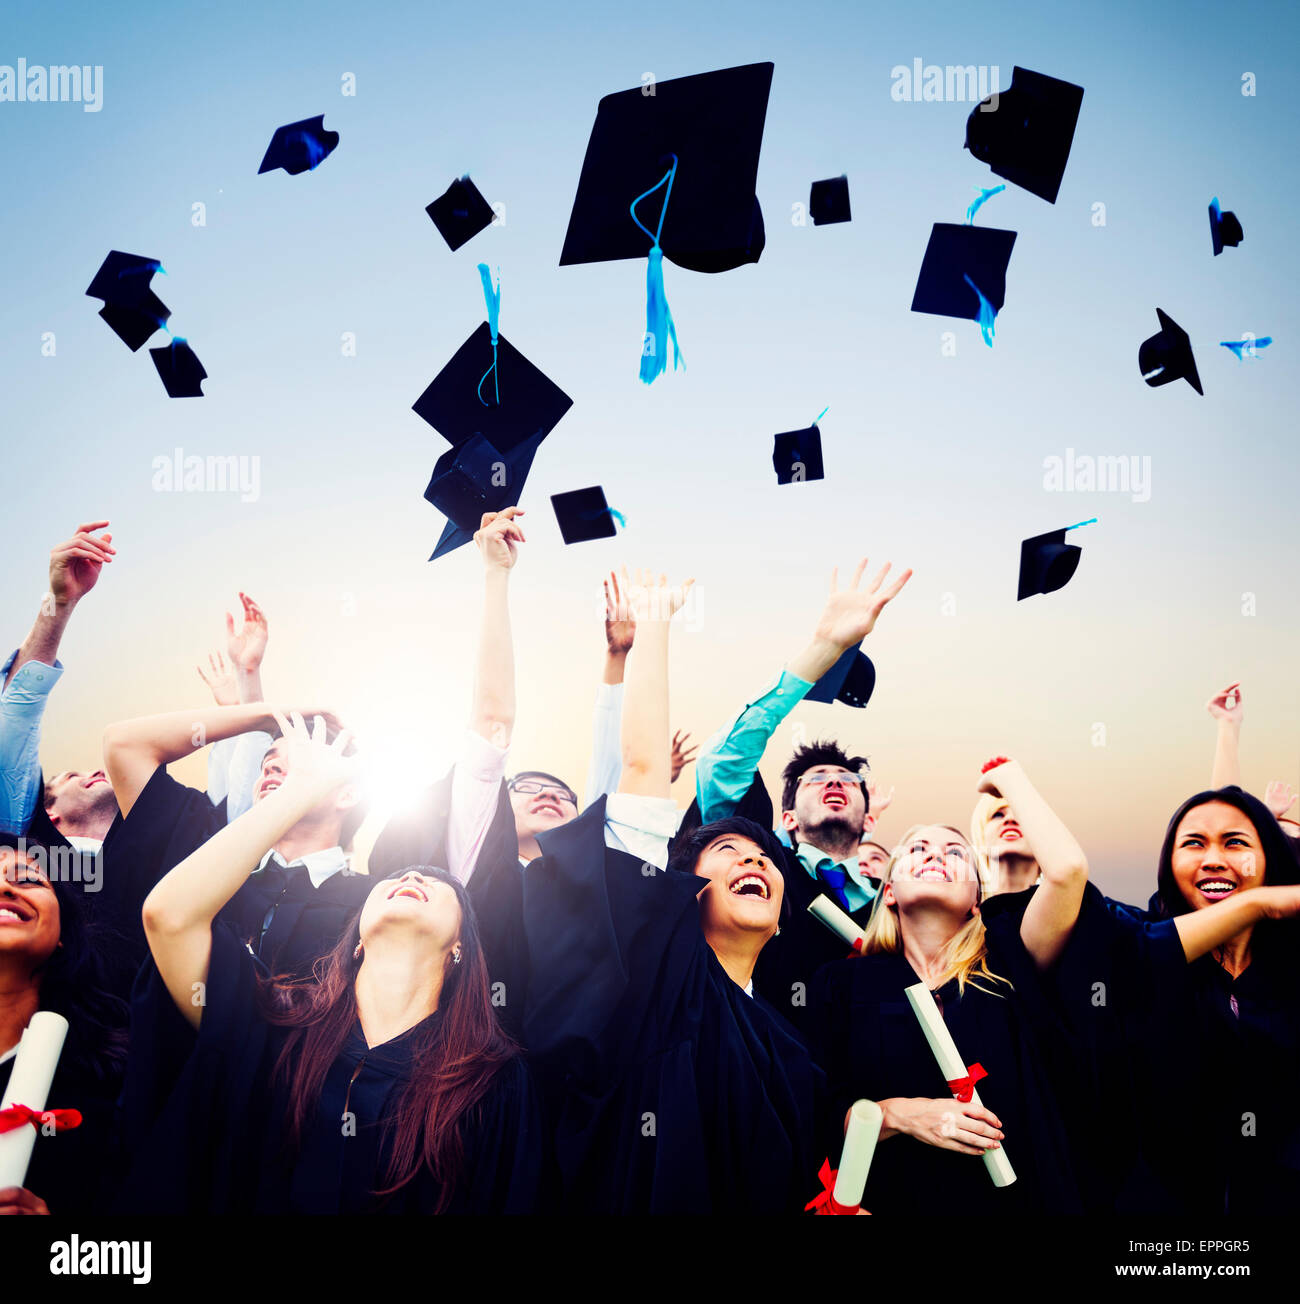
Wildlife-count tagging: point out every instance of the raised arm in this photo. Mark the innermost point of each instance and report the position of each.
(729, 760)
(607, 717)
(492, 715)
(1226, 707)
(1200, 931)
(1053, 910)
(179, 911)
(246, 648)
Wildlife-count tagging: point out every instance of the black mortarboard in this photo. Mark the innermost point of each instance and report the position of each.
(797, 455)
(851, 680)
(1167, 356)
(531, 404)
(1047, 562)
(829, 201)
(713, 124)
(181, 371)
(476, 477)
(583, 515)
(130, 307)
(955, 252)
(460, 212)
(1026, 138)
(299, 146)
(1224, 228)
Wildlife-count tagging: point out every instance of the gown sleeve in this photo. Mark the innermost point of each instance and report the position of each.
(506, 1158)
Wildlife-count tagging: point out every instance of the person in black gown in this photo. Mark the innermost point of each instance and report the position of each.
(50, 960)
(671, 1087)
(384, 1084)
(928, 927)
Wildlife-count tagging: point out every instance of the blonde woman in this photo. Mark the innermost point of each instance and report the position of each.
(1006, 859)
(927, 927)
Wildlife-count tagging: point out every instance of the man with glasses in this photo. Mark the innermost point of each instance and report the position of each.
(540, 802)
(824, 802)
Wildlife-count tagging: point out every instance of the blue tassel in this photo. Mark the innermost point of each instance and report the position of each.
(1246, 348)
(493, 298)
(984, 197)
(659, 327)
(987, 312)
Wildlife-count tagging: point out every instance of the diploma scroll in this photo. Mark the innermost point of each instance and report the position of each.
(29, 1084)
(824, 909)
(954, 1069)
(865, 1121)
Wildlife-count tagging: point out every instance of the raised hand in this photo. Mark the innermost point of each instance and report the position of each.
(681, 757)
(652, 598)
(850, 614)
(1279, 797)
(998, 774)
(75, 564)
(498, 537)
(620, 622)
(220, 678)
(312, 764)
(1226, 704)
(247, 647)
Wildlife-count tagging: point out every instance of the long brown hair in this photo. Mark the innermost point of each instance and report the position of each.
(454, 1057)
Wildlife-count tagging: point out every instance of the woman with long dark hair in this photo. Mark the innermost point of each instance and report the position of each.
(381, 1084)
(51, 959)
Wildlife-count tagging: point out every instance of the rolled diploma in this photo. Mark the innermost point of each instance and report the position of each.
(865, 1120)
(951, 1066)
(824, 909)
(29, 1084)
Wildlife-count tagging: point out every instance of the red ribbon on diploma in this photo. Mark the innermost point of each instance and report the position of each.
(16, 1116)
(824, 1200)
(859, 943)
(964, 1088)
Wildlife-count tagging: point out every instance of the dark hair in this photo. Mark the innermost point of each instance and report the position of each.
(812, 754)
(356, 815)
(456, 1054)
(1281, 865)
(73, 981)
(686, 850)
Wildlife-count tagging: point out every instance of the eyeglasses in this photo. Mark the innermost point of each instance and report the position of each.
(836, 776)
(530, 788)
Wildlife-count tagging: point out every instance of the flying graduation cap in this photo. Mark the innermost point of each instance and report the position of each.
(964, 273)
(474, 477)
(179, 369)
(828, 201)
(460, 213)
(670, 172)
(1025, 132)
(1167, 355)
(584, 514)
(1047, 562)
(1224, 228)
(797, 454)
(299, 146)
(130, 306)
(851, 680)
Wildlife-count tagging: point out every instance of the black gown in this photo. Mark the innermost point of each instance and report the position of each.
(1193, 1072)
(206, 1125)
(872, 1047)
(669, 1089)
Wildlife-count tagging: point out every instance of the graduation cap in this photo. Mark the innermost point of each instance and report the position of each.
(583, 515)
(299, 146)
(964, 273)
(1224, 228)
(1047, 562)
(181, 372)
(829, 201)
(455, 406)
(474, 477)
(1167, 355)
(797, 454)
(1025, 133)
(460, 213)
(851, 680)
(130, 306)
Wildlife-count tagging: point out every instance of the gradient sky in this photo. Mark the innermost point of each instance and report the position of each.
(932, 461)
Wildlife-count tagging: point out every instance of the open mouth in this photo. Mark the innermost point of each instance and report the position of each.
(408, 890)
(1215, 889)
(268, 785)
(751, 885)
(14, 914)
(932, 874)
(547, 808)
(835, 800)
(98, 777)
(1011, 834)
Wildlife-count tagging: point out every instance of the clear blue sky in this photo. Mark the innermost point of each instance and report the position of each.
(932, 461)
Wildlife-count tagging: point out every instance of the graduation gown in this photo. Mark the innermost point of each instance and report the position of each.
(1193, 1072)
(418, 836)
(872, 1047)
(207, 1126)
(669, 1089)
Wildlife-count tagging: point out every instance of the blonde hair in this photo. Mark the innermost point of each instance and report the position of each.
(986, 806)
(966, 955)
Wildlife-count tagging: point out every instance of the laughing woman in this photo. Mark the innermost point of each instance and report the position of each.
(382, 1085)
(927, 927)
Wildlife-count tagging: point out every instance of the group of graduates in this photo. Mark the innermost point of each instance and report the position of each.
(532, 1003)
